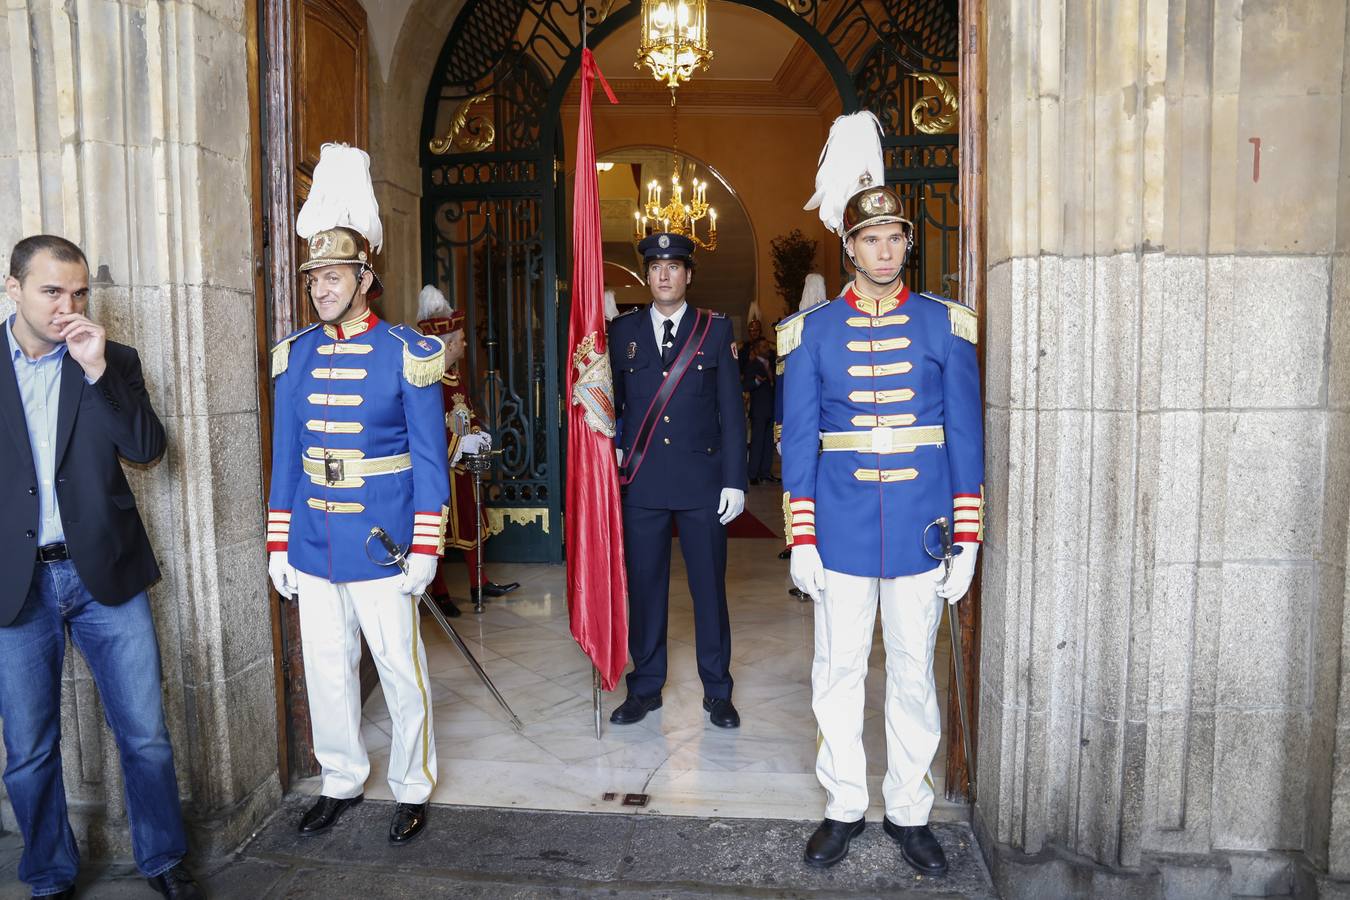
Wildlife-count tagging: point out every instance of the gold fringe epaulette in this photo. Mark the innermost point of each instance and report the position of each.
(790, 329)
(965, 324)
(281, 353)
(423, 356)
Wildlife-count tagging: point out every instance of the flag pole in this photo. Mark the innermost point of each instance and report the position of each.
(595, 697)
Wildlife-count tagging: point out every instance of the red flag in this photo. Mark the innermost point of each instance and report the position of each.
(597, 586)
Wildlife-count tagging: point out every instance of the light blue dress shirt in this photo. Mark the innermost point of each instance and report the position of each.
(40, 387)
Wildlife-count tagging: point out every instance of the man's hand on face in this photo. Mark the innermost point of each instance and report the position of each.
(86, 342)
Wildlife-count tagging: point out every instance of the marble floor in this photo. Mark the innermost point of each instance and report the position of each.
(764, 769)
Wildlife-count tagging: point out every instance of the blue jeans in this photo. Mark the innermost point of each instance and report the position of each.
(119, 644)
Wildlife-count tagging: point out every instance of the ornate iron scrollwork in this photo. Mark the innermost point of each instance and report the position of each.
(466, 135)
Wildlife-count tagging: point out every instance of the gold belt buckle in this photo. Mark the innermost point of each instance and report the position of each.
(882, 439)
(332, 470)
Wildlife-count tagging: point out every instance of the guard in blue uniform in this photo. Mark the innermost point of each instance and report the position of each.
(882, 435)
(358, 442)
(677, 395)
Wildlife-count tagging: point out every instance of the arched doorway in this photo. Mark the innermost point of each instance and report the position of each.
(493, 224)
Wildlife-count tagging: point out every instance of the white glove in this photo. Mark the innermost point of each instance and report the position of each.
(963, 570)
(808, 572)
(478, 442)
(283, 573)
(731, 505)
(618, 456)
(421, 569)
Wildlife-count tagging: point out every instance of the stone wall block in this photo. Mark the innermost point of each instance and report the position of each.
(1291, 209)
(1338, 375)
(1064, 330)
(1338, 842)
(103, 87)
(996, 463)
(227, 256)
(220, 100)
(1023, 333)
(235, 472)
(105, 201)
(1221, 306)
(1176, 486)
(1266, 628)
(998, 348)
(1274, 508)
(1179, 367)
(1292, 50)
(1279, 331)
(231, 387)
(1115, 314)
(1062, 473)
(1264, 753)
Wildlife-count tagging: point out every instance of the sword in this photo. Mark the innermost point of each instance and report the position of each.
(478, 463)
(958, 666)
(395, 555)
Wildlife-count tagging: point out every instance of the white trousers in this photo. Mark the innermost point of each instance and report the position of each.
(332, 619)
(910, 613)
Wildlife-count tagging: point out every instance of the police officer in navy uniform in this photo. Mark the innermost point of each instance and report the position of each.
(681, 442)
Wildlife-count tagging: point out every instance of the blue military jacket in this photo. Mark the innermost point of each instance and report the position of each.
(358, 441)
(698, 446)
(882, 430)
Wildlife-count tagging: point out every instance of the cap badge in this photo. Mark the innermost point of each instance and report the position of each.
(663, 241)
(320, 245)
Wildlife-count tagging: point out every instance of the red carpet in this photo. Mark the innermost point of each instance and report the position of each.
(743, 526)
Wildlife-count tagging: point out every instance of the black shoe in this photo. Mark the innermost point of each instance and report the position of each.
(918, 846)
(409, 820)
(802, 596)
(324, 814)
(786, 553)
(773, 479)
(493, 589)
(67, 894)
(829, 844)
(634, 709)
(754, 482)
(721, 713)
(448, 608)
(177, 884)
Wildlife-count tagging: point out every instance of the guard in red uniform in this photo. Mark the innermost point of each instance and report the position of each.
(465, 434)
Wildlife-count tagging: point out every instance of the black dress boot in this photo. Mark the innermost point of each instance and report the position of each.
(324, 814)
(829, 844)
(634, 709)
(919, 847)
(409, 820)
(177, 884)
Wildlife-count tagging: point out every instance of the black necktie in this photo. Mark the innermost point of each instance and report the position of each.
(668, 344)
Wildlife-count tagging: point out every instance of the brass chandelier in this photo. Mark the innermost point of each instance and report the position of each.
(673, 42)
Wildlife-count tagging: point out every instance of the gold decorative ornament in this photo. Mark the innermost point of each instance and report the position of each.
(465, 134)
(524, 516)
(673, 40)
(928, 114)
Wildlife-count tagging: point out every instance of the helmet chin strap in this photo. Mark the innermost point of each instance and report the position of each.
(350, 300)
(900, 270)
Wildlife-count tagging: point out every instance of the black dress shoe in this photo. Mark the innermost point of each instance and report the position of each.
(634, 709)
(177, 884)
(448, 608)
(721, 713)
(409, 820)
(493, 589)
(786, 553)
(324, 814)
(918, 846)
(829, 844)
(67, 894)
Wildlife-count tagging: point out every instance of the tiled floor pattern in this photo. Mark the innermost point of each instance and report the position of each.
(764, 769)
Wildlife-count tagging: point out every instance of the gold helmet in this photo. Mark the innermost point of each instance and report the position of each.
(342, 246)
(877, 205)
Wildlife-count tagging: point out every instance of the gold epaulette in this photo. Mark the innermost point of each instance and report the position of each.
(281, 353)
(423, 356)
(965, 324)
(790, 329)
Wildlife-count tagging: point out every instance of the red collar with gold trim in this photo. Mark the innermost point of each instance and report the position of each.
(347, 330)
(879, 307)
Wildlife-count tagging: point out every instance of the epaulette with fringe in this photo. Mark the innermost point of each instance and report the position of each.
(790, 329)
(965, 324)
(423, 356)
(281, 353)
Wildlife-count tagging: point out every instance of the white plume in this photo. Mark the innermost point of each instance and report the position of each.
(813, 291)
(431, 304)
(850, 161)
(611, 307)
(754, 314)
(341, 195)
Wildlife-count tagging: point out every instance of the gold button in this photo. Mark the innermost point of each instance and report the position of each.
(667, 440)
(666, 418)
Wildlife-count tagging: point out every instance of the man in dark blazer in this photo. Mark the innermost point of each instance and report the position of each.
(677, 394)
(758, 383)
(75, 557)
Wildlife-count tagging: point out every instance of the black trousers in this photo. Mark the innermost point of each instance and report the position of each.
(703, 543)
(761, 447)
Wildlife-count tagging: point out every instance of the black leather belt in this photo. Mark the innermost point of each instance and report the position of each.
(52, 553)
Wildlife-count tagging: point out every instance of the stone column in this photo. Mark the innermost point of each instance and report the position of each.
(125, 127)
(1168, 338)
